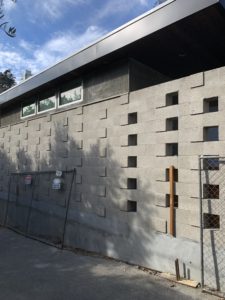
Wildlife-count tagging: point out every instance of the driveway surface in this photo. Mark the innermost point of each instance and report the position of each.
(30, 270)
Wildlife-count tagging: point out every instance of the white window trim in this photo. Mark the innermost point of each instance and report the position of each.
(43, 111)
(21, 112)
(70, 103)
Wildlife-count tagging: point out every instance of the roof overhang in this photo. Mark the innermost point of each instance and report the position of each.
(167, 38)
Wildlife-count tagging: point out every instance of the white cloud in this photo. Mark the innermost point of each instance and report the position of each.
(115, 7)
(9, 5)
(54, 9)
(35, 58)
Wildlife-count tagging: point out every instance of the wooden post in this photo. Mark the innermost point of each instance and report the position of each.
(171, 178)
(177, 269)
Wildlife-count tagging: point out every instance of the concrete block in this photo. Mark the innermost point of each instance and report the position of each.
(188, 232)
(187, 217)
(102, 151)
(160, 174)
(78, 161)
(164, 137)
(160, 100)
(78, 127)
(48, 146)
(37, 154)
(25, 135)
(79, 144)
(102, 132)
(196, 107)
(64, 137)
(63, 153)
(78, 197)
(49, 118)
(123, 119)
(159, 225)
(188, 189)
(78, 179)
(196, 80)
(48, 132)
(124, 99)
(65, 121)
(168, 112)
(101, 191)
(79, 110)
(122, 205)
(160, 125)
(188, 203)
(123, 162)
(38, 127)
(17, 131)
(37, 140)
(102, 172)
(102, 114)
(124, 141)
(100, 211)
(188, 176)
(160, 150)
(161, 200)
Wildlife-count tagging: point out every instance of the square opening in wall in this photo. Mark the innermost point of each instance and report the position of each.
(211, 133)
(172, 99)
(132, 118)
(168, 200)
(132, 183)
(172, 124)
(211, 164)
(132, 161)
(132, 140)
(211, 105)
(211, 221)
(131, 206)
(172, 149)
(211, 191)
(175, 175)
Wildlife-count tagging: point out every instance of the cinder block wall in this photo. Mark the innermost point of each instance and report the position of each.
(119, 147)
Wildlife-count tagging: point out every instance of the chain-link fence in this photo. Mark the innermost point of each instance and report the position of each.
(212, 214)
(38, 204)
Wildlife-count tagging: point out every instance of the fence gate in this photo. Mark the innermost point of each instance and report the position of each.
(212, 216)
(37, 209)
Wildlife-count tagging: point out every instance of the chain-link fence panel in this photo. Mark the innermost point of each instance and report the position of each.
(38, 204)
(212, 213)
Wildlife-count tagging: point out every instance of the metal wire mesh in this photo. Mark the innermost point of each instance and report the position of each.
(35, 209)
(212, 210)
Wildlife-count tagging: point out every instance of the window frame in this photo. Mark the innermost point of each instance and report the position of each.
(69, 89)
(35, 110)
(46, 110)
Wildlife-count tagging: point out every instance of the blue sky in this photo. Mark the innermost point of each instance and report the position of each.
(50, 30)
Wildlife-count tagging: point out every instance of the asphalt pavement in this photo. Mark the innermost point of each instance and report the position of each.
(30, 270)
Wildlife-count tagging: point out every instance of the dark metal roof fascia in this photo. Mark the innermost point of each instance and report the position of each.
(168, 13)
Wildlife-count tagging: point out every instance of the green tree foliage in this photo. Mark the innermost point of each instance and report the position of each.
(10, 31)
(7, 80)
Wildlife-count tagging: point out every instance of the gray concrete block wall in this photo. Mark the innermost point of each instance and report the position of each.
(94, 140)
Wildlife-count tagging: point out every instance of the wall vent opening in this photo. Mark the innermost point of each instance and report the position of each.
(132, 118)
(132, 161)
(132, 140)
